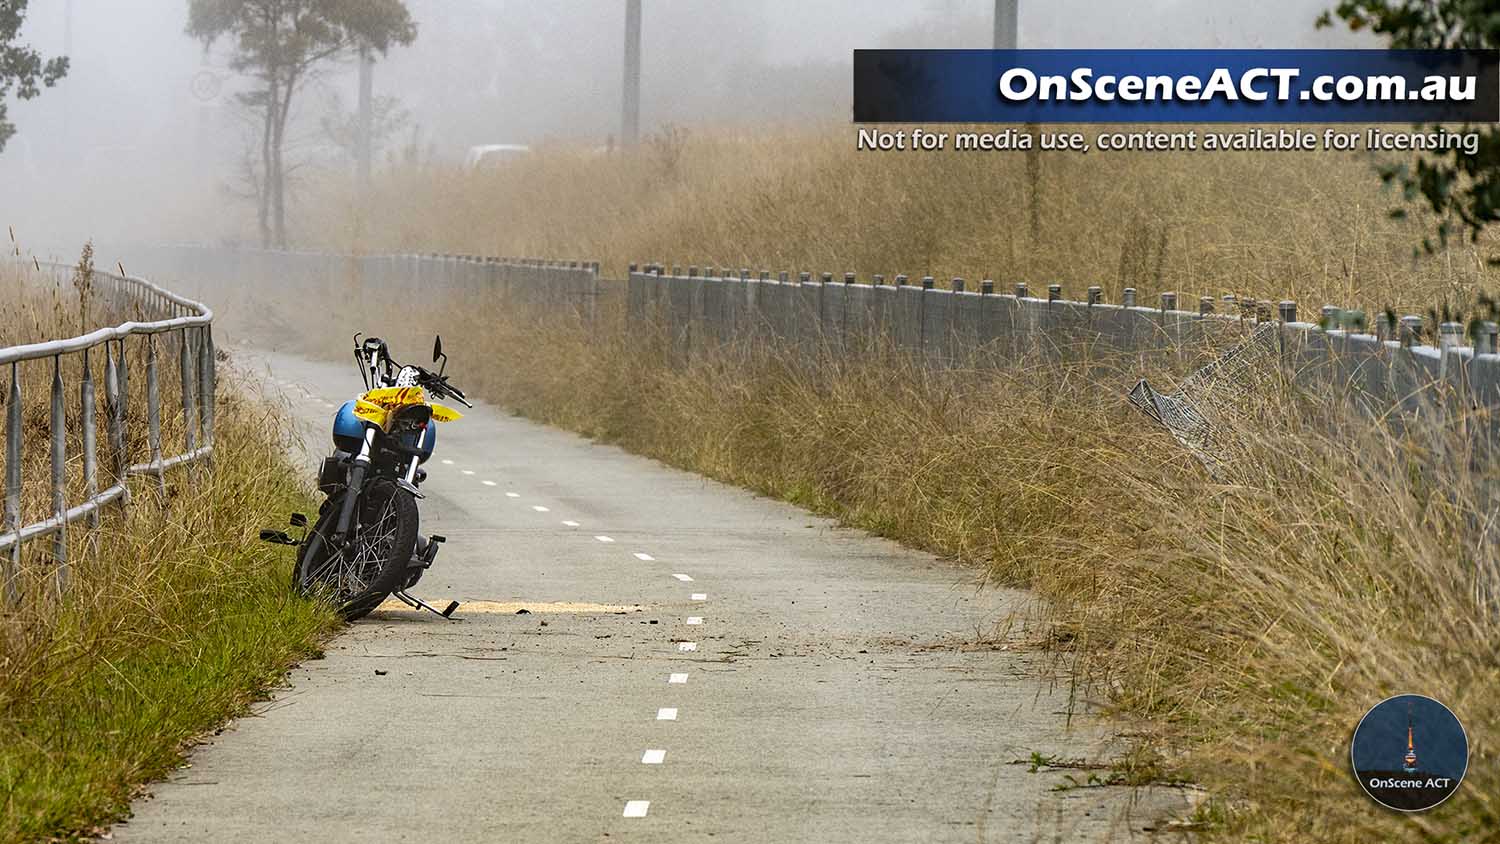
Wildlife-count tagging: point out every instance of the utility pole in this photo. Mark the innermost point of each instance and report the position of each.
(630, 120)
(1005, 24)
(366, 141)
(67, 51)
(1007, 37)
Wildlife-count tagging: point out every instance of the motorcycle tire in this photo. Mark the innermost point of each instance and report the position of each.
(382, 549)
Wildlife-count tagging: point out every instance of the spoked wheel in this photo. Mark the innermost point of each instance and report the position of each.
(359, 577)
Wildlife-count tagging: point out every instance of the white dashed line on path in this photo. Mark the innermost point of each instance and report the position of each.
(513, 495)
(637, 808)
(490, 483)
(447, 462)
(695, 619)
(604, 539)
(570, 523)
(468, 471)
(540, 509)
(687, 647)
(667, 714)
(645, 558)
(684, 578)
(699, 596)
(653, 757)
(677, 679)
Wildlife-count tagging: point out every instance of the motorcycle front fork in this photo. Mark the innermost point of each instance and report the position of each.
(356, 485)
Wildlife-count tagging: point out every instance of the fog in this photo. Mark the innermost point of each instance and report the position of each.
(144, 139)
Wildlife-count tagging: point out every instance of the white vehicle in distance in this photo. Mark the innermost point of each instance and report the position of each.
(491, 155)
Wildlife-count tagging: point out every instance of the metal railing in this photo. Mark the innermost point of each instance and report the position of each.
(167, 316)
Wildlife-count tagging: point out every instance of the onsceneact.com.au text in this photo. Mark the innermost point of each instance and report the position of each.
(1257, 84)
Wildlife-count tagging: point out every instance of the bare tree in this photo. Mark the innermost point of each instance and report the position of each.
(282, 44)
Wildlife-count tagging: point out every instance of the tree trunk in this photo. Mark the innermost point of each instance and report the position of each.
(263, 194)
(278, 198)
(278, 185)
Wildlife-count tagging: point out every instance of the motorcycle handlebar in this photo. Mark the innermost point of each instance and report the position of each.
(439, 384)
(429, 380)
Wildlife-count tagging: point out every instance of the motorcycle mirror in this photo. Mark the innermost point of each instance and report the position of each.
(437, 348)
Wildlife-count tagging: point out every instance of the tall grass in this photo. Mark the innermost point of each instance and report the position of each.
(1313, 227)
(174, 616)
(1249, 617)
(1252, 617)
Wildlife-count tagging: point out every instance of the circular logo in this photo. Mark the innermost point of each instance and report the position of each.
(206, 85)
(1409, 753)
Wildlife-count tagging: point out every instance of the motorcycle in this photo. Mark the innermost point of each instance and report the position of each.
(365, 544)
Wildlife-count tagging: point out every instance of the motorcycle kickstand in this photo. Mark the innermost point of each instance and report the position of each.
(418, 604)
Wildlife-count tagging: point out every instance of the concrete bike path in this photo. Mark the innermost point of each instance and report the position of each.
(695, 663)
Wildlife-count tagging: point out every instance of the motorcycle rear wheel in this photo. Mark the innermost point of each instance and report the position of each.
(376, 563)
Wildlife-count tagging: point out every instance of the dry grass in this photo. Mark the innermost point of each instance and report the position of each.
(1312, 227)
(175, 617)
(1252, 618)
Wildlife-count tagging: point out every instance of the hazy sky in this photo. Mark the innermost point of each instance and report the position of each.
(128, 123)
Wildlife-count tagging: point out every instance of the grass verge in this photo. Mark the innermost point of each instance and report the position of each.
(175, 619)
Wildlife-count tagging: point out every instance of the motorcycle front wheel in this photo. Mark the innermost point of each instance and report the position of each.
(357, 578)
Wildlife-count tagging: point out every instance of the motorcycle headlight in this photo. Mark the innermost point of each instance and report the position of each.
(411, 418)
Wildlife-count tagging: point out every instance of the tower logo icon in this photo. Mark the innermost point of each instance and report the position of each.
(1386, 759)
(1409, 761)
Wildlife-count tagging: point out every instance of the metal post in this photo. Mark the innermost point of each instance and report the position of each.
(1450, 335)
(13, 482)
(1411, 330)
(1096, 295)
(124, 415)
(1383, 326)
(90, 446)
(114, 409)
(1287, 310)
(1484, 340)
(153, 414)
(59, 475)
(630, 119)
(207, 383)
(189, 408)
